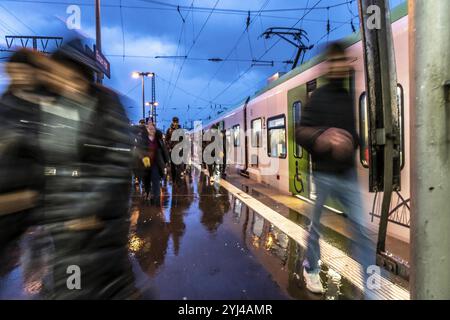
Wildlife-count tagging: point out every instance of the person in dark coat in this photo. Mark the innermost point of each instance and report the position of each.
(86, 144)
(138, 130)
(328, 131)
(20, 167)
(176, 170)
(154, 158)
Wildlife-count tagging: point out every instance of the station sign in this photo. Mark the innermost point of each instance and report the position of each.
(103, 63)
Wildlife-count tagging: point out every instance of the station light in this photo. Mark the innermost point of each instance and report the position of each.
(136, 74)
(143, 75)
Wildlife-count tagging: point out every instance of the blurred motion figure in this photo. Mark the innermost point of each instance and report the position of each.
(20, 166)
(327, 131)
(87, 153)
(81, 145)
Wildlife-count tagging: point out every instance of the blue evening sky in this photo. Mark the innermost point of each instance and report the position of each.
(147, 28)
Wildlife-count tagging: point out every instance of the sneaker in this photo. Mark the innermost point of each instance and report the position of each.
(313, 281)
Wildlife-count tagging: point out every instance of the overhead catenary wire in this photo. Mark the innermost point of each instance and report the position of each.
(248, 69)
(265, 52)
(301, 26)
(132, 89)
(326, 35)
(173, 65)
(8, 28)
(262, 30)
(245, 11)
(183, 29)
(215, 59)
(18, 19)
(194, 9)
(181, 89)
(192, 46)
(316, 43)
(123, 31)
(193, 22)
(248, 24)
(106, 5)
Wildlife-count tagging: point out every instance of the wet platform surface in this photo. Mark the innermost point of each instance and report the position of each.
(202, 243)
(334, 225)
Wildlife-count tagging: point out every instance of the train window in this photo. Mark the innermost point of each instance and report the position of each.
(310, 87)
(296, 112)
(364, 130)
(364, 127)
(236, 135)
(276, 136)
(256, 126)
(401, 110)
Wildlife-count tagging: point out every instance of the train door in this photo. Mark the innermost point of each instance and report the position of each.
(300, 165)
(331, 203)
(311, 86)
(298, 157)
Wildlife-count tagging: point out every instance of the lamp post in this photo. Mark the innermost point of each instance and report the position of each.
(136, 75)
(153, 105)
(98, 35)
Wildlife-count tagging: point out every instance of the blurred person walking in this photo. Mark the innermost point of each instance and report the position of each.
(327, 130)
(85, 143)
(20, 166)
(139, 131)
(176, 170)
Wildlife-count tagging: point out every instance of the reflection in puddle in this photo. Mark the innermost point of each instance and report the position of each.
(203, 243)
(283, 257)
(333, 285)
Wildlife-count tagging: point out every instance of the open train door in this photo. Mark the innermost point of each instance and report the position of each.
(384, 128)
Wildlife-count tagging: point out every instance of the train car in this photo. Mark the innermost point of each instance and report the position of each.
(259, 133)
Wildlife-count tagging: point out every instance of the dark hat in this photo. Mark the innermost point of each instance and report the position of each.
(175, 119)
(79, 54)
(335, 48)
(24, 56)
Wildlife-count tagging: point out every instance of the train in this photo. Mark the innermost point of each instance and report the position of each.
(259, 134)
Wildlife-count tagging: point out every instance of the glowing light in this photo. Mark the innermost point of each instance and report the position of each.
(135, 243)
(269, 241)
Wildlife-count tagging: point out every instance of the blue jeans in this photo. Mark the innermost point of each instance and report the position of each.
(343, 187)
(152, 179)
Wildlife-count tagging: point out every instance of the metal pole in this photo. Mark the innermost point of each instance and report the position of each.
(154, 98)
(143, 96)
(152, 114)
(381, 83)
(98, 35)
(35, 47)
(430, 148)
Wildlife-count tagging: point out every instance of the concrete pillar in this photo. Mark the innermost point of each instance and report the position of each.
(430, 148)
